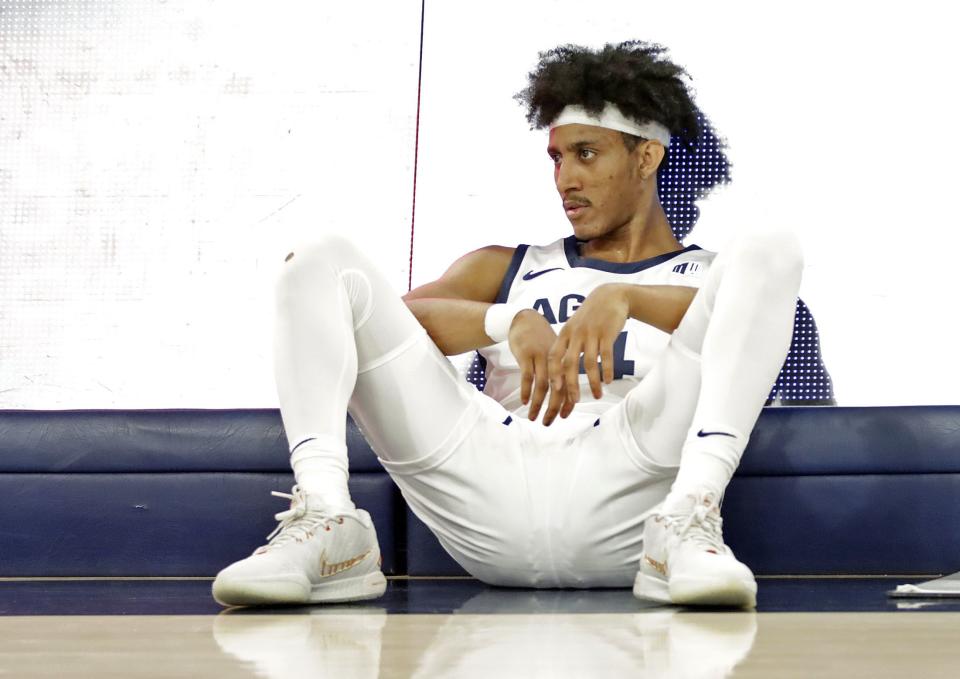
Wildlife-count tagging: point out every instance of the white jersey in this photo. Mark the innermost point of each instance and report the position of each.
(554, 280)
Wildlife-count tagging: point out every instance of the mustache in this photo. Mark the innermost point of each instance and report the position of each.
(580, 202)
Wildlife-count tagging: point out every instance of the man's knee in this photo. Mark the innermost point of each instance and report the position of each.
(306, 260)
(318, 250)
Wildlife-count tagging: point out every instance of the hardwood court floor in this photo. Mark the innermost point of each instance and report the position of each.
(475, 631)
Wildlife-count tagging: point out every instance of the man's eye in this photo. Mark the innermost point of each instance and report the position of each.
(587, 154)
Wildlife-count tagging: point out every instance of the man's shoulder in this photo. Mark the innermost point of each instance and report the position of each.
(520, 250)
(489, 255)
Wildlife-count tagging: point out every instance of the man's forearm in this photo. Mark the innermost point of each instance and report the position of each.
(454, 325)
(662, 306)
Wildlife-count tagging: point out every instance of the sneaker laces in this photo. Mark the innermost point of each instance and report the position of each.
(702, 526)
(296, 523)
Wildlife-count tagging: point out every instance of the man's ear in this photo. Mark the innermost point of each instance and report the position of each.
(650, 154)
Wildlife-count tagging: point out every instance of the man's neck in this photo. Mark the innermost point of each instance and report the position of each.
(639, 239)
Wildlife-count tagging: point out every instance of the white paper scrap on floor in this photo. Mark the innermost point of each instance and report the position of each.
(947, 586)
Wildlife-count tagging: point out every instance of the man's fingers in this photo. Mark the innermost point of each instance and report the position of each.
(555, 359)
(526, 380)
(557, 397)
(555, 356)
(570, 365)
(571, 372)
(591, 368)
(606, 357)
(540, 385)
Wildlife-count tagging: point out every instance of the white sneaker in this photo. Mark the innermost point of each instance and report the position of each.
(686, 562)
(313, 556)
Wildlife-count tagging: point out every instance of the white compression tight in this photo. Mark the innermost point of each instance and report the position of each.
(344, 339)
(728, 350)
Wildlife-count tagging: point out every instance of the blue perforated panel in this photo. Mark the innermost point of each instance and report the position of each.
(688, 174)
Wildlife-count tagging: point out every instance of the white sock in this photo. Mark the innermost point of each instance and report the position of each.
(320, 467)
(708, 464)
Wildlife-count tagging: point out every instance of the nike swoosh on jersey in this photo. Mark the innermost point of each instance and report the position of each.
(703, 433)
(530, 275)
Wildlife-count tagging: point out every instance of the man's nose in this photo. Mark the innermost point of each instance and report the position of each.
(566, 178)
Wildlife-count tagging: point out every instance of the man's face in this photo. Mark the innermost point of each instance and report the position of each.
(597, 178)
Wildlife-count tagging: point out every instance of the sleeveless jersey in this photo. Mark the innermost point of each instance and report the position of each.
(554, 280)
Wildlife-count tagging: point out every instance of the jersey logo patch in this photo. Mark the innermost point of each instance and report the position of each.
(687, 267)
(530, 275)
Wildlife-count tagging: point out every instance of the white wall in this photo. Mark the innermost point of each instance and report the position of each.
(156, 158)
(838, 118)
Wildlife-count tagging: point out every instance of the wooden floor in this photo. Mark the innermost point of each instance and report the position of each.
(361, 643)
(438, 628)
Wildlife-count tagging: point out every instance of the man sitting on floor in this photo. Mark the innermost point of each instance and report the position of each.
(656, 358)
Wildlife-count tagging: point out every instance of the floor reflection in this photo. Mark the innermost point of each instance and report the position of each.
(192, 597)
(321, 642)
(528, 641)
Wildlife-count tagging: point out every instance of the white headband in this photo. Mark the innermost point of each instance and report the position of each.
(612, 119)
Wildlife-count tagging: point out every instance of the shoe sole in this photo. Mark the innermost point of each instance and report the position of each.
(652, 588)
(695, 591)
(254, 592)
(713, 592)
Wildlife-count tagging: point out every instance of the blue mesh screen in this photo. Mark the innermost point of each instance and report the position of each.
(688, 174)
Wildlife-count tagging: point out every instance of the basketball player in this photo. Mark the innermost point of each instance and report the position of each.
(625, 373)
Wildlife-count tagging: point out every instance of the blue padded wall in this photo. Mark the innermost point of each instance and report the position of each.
(178, 524)
(155, 440)
(873, 524)
(183, 493)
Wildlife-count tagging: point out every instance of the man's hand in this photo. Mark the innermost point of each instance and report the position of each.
(590, 332)
(531, 338)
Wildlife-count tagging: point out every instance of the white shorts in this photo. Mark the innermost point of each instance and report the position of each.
(516, 503)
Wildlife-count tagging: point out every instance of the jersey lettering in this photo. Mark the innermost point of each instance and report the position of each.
(568, 305)
(566, 308)
(687, 267)
(621, 366)
(543, 307)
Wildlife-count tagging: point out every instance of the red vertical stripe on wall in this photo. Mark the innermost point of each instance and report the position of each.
(416, 150)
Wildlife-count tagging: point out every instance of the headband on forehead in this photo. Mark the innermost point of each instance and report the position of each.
(613, 119)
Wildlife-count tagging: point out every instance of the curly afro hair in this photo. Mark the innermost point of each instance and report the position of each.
(633, 75)
(645, 85)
